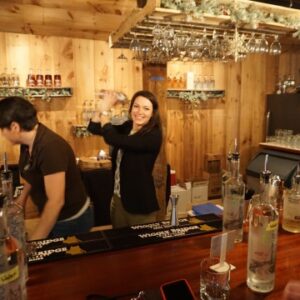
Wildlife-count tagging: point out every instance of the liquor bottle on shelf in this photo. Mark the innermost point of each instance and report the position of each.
(291, 206)
(234, 195)
(31, 79)
(12, 281)
(57, 79)
(48, 79)
(14, 78)
(39, 79)
(262, 239)
(4, 78)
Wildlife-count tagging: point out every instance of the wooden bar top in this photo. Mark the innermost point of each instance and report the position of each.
(126, 272)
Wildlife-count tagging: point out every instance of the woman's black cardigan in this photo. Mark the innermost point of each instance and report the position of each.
(140, 151)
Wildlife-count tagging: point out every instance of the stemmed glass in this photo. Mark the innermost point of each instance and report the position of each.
(215, 47)
(193, 47)
(135, 47)
(205, 45)
(275, 48)
(181, 43)
(251, 45)
(263, 46)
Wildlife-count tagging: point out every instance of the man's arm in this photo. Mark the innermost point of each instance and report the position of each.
(55, 191)
(22, 199)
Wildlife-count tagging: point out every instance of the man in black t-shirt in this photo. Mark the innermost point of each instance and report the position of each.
(48, 166)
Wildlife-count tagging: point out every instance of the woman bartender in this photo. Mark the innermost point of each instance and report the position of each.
(136, 145)
(48, 166)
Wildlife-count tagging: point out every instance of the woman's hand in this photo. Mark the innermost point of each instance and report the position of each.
(108, 101)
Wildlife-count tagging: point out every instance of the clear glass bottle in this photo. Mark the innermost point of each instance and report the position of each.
(120, 95)
(12, 283)
(5, 78)
(234, 195)
(262, 240)
(226, 174)
(14, 78)
(14, 212)
(291, 206)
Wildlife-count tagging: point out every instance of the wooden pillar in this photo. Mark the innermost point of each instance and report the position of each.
(154, 80)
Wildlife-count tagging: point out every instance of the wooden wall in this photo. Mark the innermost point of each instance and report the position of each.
(85, 65)
(213, 126)
(190, 133)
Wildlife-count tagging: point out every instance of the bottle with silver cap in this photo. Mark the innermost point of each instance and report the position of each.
(262, 239)
(234, 195)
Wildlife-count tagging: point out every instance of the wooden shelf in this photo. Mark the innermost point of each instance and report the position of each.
(183, 93)
(36, 92)
(276, 146)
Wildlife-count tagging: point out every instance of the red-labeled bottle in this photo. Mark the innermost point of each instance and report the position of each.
(39, 78)
(48, 79)
(57, 80)
(31, 79)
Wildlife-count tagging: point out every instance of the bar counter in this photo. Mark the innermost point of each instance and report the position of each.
(124, 273)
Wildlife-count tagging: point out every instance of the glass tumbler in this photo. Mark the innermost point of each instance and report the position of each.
(214, 285)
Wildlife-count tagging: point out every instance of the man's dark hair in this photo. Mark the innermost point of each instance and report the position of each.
(17, 109)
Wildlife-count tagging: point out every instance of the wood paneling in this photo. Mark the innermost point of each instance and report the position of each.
(85, 65)
(213, 126)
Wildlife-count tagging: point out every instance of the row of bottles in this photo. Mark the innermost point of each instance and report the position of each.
(13, 263)
(190, 81)
(262, 217)
(33, 80)
(9, 79)
(263, 224)
(40, 80)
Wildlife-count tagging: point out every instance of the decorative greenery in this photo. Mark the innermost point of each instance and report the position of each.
(45, 94)
(9, 91)
(195, 97)
(80, 131)
(239, 12)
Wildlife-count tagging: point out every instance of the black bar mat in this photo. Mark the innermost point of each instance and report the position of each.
(117, 239)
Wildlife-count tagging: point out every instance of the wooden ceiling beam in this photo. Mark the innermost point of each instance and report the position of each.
(92, 6)
(136, 16)
(44, 30)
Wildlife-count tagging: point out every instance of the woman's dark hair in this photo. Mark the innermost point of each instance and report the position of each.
(19, 110)
(155, 118)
